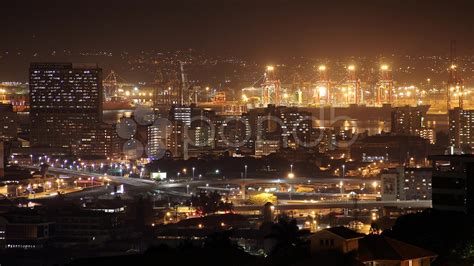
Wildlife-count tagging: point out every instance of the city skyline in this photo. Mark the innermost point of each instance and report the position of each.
(284, 132)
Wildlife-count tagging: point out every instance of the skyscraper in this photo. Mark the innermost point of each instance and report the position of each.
(65, 102)
(461, 128)
(407, 120)
(8, 123)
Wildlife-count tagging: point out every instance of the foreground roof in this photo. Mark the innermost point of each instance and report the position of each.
(376, 247)
(345, 232)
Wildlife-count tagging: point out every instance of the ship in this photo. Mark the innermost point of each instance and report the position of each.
(117, 103)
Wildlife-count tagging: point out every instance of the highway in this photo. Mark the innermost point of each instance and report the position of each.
(119, 179)
(168, 187)
(203, 182)
(253, 181)
(285, 205)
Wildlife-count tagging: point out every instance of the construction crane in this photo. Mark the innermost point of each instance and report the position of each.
(271, 89)
(323, 92)
(184, 84)
(111, 84)
(385, 85)
(455, 83)
(354, 94)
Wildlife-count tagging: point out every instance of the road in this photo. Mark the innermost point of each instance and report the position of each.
(286, 205)
(119, 179)
(252, 181)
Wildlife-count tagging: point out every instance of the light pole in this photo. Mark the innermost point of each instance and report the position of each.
(291, 168)
(245, 172)
(341, 185)
(290, 176)
(343, 170)
(375, 186)
(194, 168)
(187, 189)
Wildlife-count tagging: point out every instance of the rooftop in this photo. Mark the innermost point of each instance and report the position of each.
(345, 232)
(377, 247)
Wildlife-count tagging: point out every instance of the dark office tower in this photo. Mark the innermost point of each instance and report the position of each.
(461, 128)
(453, 183)
(65, 103)
(8, 122)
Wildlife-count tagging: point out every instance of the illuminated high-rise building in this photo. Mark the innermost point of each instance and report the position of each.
(407, 120)
(65, 102)
(188, 126)
(461, 128)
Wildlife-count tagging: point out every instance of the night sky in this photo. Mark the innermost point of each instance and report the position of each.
(257, 28)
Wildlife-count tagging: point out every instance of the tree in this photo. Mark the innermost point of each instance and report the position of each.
(374, 229)
(288, 244)
(211, 202)
(438, 231)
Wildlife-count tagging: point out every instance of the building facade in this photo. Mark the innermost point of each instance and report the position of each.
(453, 185)
(409, 120)
(461, 128)
(66, 108)
(8, 123)
(406, 183)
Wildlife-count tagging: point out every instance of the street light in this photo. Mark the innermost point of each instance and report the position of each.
(341, 185)
(291, 168)
(194, 168)
(245, 172)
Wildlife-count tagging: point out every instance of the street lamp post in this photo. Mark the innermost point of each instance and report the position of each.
(245, 172)
(290, 189)
(291, 168)
(341, 185)
(194, 168)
